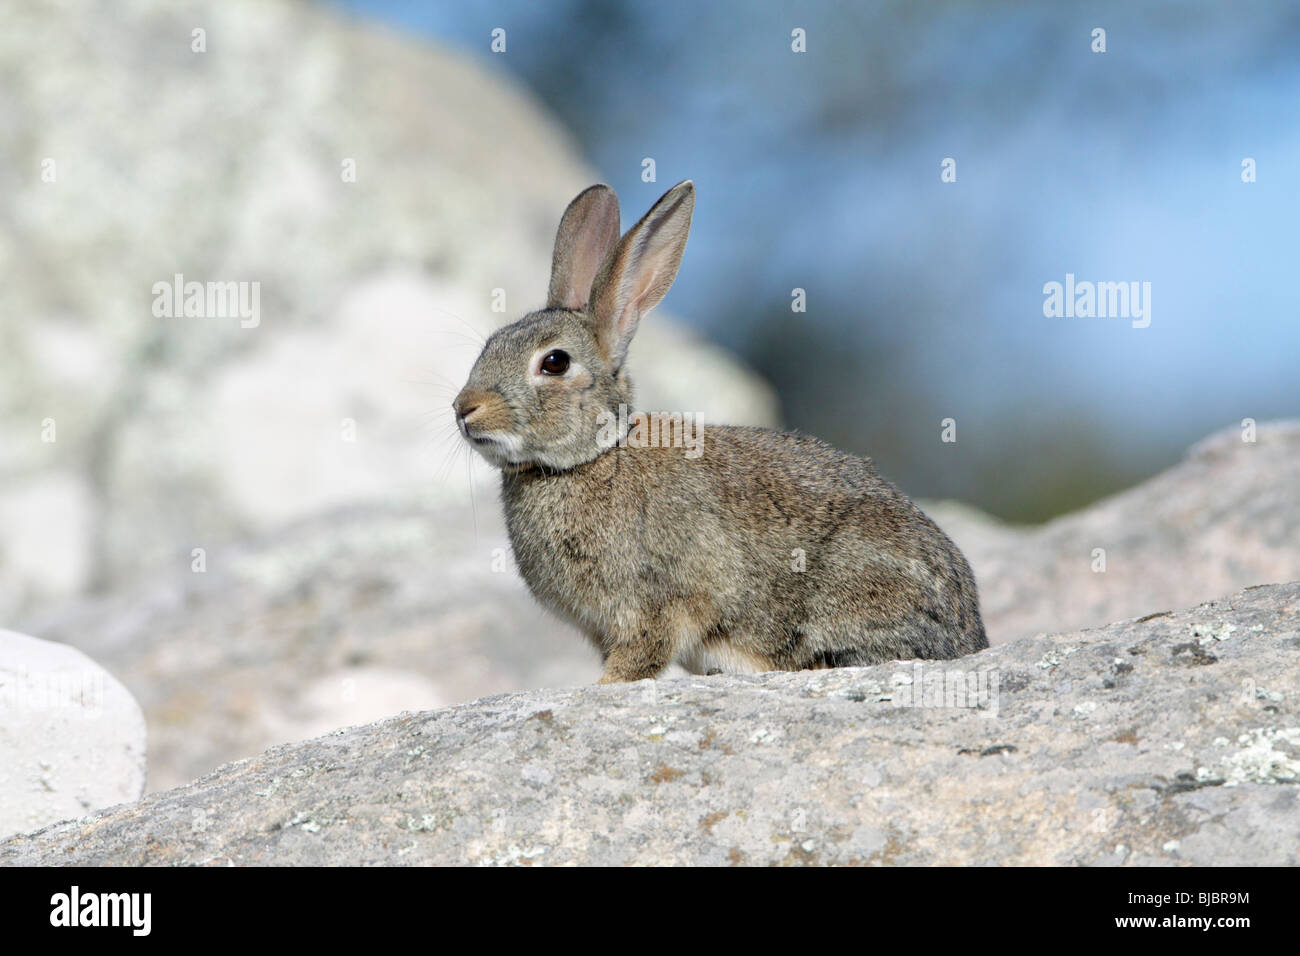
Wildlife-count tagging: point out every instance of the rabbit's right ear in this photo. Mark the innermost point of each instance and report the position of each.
(640, 270)
(588, 231)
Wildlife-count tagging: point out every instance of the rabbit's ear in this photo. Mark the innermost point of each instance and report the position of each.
(638, 273)
(588, 231)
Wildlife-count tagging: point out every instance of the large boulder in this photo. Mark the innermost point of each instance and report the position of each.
(1226, 517)
(1171, 739)
(72, 739)
(126, 158)
(348, 616)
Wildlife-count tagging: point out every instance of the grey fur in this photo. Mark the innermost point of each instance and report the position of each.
(768, 551)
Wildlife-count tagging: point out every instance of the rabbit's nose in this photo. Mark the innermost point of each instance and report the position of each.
(467, 405)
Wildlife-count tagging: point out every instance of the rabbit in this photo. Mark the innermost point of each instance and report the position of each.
(765, 551)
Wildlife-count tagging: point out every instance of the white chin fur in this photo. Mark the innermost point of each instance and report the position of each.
(499, 448)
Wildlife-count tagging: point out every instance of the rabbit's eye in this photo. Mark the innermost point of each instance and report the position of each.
(555, 362)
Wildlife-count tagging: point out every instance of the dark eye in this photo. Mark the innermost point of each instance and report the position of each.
(555, 362)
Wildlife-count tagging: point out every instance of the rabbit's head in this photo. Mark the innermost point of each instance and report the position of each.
(544, 389)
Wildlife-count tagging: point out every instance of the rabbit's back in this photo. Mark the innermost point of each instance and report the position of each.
(770, 550)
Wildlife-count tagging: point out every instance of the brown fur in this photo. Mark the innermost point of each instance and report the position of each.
(660, 557)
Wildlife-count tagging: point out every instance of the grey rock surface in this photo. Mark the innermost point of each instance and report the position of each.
(344, 618)
(72, 739)
(1171, 739)
(126, 157)
(1224, 518)
(348, 616)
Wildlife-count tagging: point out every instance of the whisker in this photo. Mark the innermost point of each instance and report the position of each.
(446, 386)
(448, 460)
(452, 315)
(473, 505)
(474, 341)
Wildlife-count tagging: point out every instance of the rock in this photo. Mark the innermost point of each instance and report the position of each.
(132, 439)
(335, 620)
(1226, 517)
(257, 650)
(72, 739)
(352, 695)
(1171, 739)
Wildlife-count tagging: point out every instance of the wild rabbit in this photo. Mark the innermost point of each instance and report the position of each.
(762, 551)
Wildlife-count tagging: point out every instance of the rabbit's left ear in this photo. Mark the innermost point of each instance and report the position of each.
(588, 230)
(640, 270)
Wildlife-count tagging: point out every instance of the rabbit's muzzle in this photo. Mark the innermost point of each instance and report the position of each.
(480, 413)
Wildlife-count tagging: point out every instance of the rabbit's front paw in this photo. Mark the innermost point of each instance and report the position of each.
(636, 661)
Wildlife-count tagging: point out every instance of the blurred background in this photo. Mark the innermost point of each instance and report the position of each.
(822, 171)
(269, 529)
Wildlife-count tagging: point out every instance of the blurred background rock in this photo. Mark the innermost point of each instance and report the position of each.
(182, 433)
(347, 580)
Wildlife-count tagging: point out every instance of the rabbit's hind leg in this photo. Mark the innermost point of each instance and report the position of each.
(719, 654)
